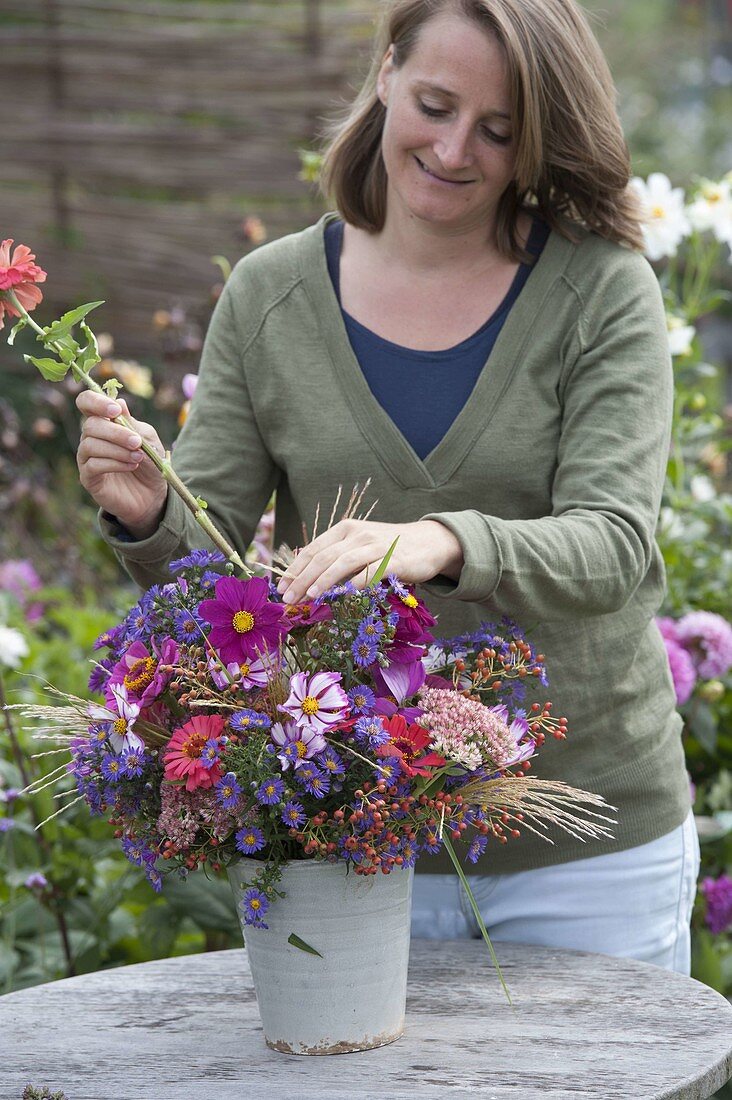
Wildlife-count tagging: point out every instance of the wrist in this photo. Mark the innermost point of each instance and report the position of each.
(448, 558)
(145, 526)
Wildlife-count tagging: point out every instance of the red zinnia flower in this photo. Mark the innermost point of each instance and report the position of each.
(244, 622)
(406, 742)
(183, 752)
(20, 274)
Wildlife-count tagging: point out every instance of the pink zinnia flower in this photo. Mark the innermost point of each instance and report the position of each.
(316, 703)
(245, 624)
(682, 668)
(298, 745)
(184, 750)
(708, 637)
(20, 274)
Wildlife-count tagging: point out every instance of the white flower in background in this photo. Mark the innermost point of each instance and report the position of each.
(665, 223)
(702, 489)
(13, 647)
(680, 334)
(712, 209)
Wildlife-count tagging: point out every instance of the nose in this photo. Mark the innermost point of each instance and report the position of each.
(454, 148)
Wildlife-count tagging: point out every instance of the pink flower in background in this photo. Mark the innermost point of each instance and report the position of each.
(708, 638)
(668, 628)
(188, 385)
(718, 895)
(682, 668)
(20, 274)
(19, 577)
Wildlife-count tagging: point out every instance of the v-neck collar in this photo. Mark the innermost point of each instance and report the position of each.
(386, 440)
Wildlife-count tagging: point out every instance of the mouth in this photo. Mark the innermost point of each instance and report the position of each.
(440, 179)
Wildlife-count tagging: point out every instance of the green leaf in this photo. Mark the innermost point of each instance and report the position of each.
(112, 387)
(474, 906)
(64, 325)
(17, 328)
(88, 356)
(297, 942)
(201, 503)
(381, 569)
(51, 369)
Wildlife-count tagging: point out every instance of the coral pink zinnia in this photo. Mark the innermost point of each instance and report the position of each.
(183, 752)
(20, 274)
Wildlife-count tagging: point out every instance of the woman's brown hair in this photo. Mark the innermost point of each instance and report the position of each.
(572, 161)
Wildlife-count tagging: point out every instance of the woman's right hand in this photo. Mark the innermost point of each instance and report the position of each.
(114, 470)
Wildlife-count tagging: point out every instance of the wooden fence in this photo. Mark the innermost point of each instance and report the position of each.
(136, 136)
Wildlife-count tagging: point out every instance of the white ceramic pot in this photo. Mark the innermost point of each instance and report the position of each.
(353, 998)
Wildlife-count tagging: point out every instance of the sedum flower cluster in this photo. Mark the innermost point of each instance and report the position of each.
(235, 725)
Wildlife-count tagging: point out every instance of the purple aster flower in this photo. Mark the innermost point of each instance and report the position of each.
(364, 651)
(99, 675)
(228, 791)
(331, 762)
(362, 699)
(9, 794)
(154, 878)
(388, 769)
(245, 721)
(133, 762)
(250, 839)
(196, 558)
(371, 730)
(36, 881)
(6, 824)
(110, 638)
(683, 673)
(315, 781)
(293, 814)
(112, 767)
(477, 847)
(210, 753)
(253, 906)
(244, 623)
(408, 850)
(708, 637)
(371, 628)
(431, 842)
(270, 792)
(188, 626)
(718, 894)
(316, 702)
(296, 745)
(208, 580)
(134, 850)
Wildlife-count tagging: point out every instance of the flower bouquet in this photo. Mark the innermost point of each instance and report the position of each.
(312, 751)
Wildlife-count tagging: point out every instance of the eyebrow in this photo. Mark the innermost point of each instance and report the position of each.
(451, 95)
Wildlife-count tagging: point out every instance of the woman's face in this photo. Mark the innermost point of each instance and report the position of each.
(447, 142)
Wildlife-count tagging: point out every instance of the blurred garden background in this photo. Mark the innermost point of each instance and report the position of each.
(145, 146)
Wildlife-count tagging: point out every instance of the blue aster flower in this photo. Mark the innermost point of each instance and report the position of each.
(431, 842)
(196, 558)
(245, 721)
(331, 762)
(210, 753)
(154, 878)
(134, 850)
(207, 580)
(228, 791)
(408, 850)
(188, 626)
(133, 762)
(270, 792)
(315, 781)
(362, 699)
(99, 675)
(112, 767)
(388, 769)
(371, 628)
(250, 839)
(293, 814)
(253, 906)
(477, 847)
(364, 650)
(370, 729)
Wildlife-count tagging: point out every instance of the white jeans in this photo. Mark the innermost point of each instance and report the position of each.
(634, 904)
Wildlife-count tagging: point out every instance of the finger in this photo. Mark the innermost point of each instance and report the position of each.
(95, 467)
(97, 404)
(329, 568)
(305, 556)
(97, 428)
(100, 448)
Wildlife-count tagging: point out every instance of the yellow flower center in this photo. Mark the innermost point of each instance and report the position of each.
(310, 705)
(243, 622)
(658, 212)
(244, 670)
(255, 903)
(270, 789)
(141, 674)
(409, 600)
(301, 748)
(120, 726)
(193, 746)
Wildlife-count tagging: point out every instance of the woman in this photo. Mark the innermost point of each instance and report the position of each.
(478, 334)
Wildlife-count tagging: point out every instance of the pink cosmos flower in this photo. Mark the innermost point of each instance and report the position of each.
(708, 637)
(297, 745)
(183, 752)
(413, 631)
(20, 274)
(317, 702)
(245, 624)
(120, 718)
(140, 671)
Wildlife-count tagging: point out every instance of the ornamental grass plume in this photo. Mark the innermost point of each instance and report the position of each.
(20, 274)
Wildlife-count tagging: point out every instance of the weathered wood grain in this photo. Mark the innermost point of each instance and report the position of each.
(584, 1027)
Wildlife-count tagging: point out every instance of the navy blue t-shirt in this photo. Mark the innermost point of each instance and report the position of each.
(423, 391)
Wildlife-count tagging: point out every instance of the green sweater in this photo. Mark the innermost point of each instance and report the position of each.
(550, 477)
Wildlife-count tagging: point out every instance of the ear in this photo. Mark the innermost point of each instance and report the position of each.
(384, 77)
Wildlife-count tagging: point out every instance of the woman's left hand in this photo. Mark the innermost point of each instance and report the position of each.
(353, 549)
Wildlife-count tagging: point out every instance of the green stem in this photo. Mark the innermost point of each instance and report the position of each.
(193, 504)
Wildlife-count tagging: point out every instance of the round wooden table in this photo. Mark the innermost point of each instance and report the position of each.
(583, 1025)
